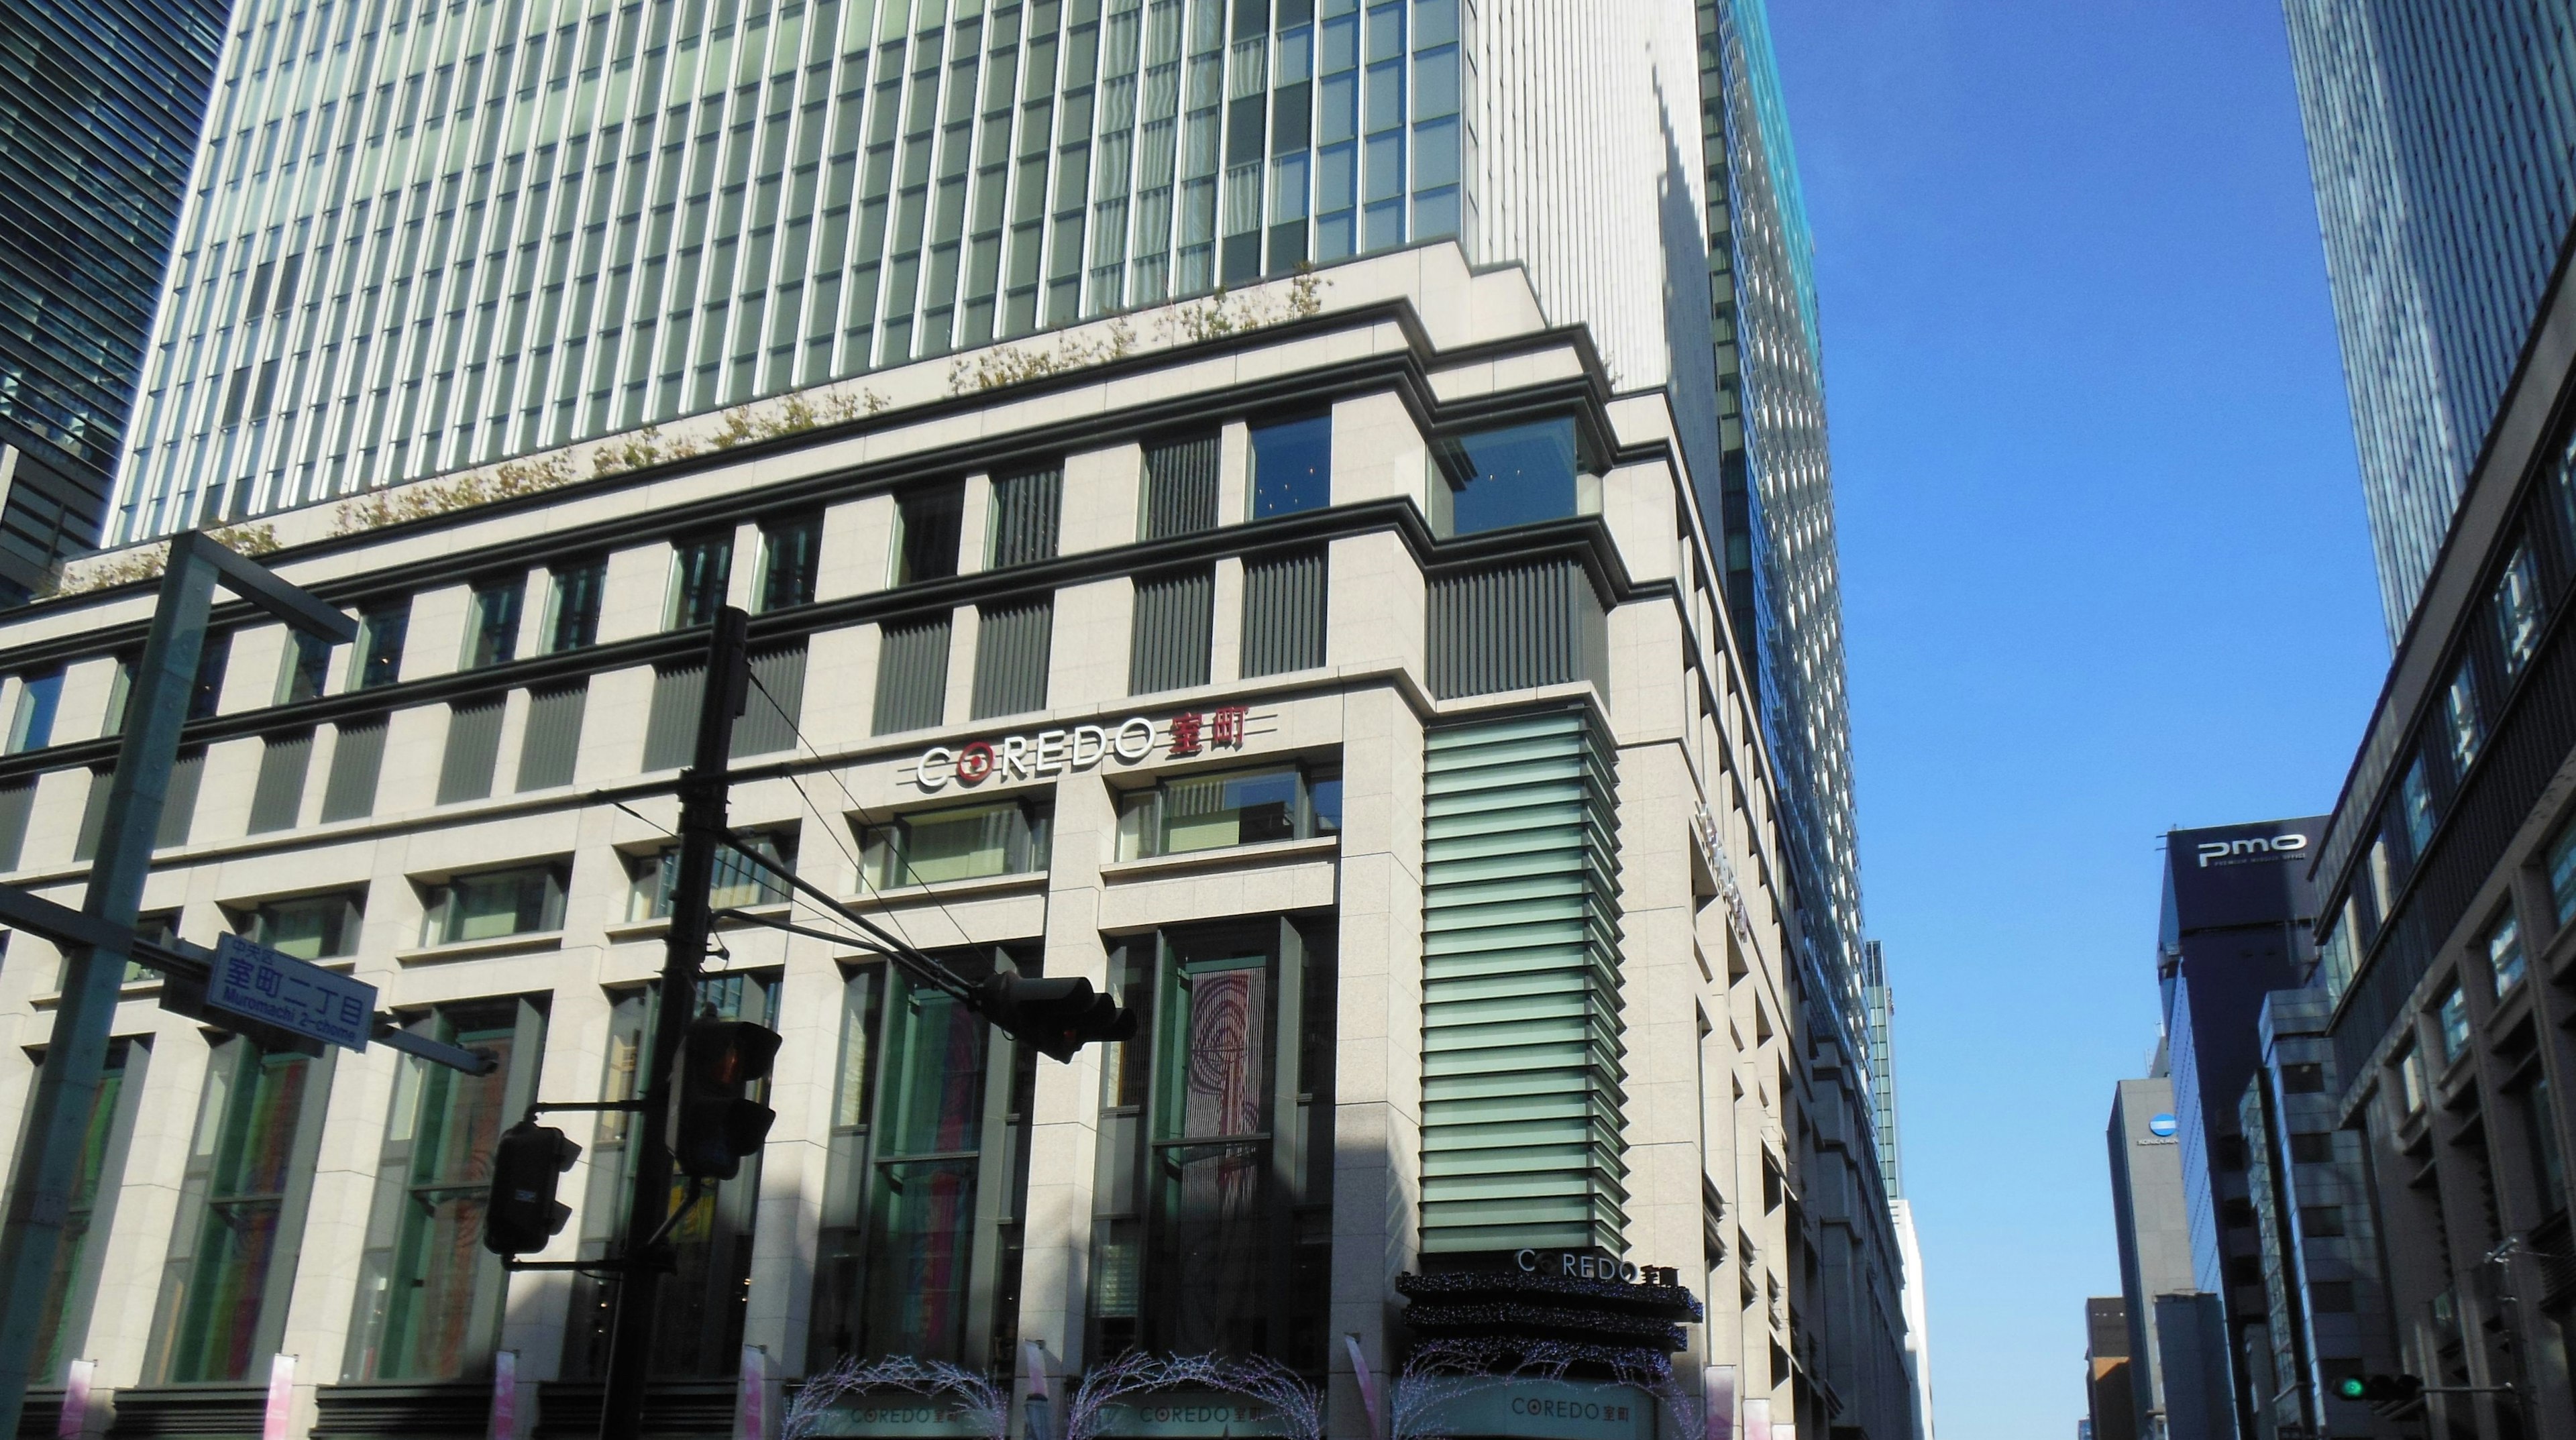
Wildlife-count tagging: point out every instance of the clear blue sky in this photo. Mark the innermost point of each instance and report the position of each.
(2104, 573)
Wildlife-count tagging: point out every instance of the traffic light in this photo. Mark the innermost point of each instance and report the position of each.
(716, 1123)
(2380, 1391)
(1059, 1017)
(522, 1214)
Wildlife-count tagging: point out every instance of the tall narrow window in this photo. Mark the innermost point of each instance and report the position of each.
(2548, 1161)
(1175, 613)
(1283, 612)
(2451, 1019)
(1027, 514)
(790, 552)
(382, 626)
(492, 637)
(1180, 487)
(307, 668)
(32, 727)
(2504, 955)
(1012, 648)
(572, 606)
(429, 1295)
(120, 695)
(928, 1175)
(277, 799)
(241, 1215)
(2415, 804)
(2462, 725)
(551, 745)
(912, 675)
(926, 532)
(206, 692)
(774, 705)
(357, 757)
(704, 1294)
(1292, 466)
(63, 1322)
(700, 569)
(473, 747)
(2517, 611)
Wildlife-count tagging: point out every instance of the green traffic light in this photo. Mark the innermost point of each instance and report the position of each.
(2351, 1387)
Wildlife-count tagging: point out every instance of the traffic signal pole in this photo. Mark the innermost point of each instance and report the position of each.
(94, 973)
(702, 827)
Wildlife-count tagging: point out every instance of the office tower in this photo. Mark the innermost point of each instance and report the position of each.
(2110, 1403)
(2442, 139)
(99, 111)
(1880, 1003)
(2237, 912)
(2171, 1333)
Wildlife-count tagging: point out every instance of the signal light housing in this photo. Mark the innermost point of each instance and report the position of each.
(2380, 1391)
(1058, 1017)
(522, 1213)
(716, 1123)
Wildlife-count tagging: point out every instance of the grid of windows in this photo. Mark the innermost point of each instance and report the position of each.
(423, 239)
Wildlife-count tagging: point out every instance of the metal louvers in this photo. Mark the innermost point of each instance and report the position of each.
(1516, 626)
(1522, 1105)
(775, 702)
(671, 726)
(1283, 612)
(473, 745)
(93, 814)
(279, 795)
(552, 744)
(350, 793)
(1175, 615)
(1180, 488)
(1027, 510)
(179, 805)
(1012, 647)
(17, 801)
(912, 676)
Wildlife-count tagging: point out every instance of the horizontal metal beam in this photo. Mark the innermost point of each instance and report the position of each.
(260, 586)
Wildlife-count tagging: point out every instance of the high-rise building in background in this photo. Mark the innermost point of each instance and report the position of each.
(2177, 1337)
(951, 268)
(2442, 138)
(1879, 1001)
(2110, 1403)
(2236, 923)
(100, 105)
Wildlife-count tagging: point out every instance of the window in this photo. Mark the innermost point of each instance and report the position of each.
(2236, 1212)
(1174, 623)
(381, 627)
(700, 569)
(429, 1296)
(2452, 1016)
(120, 695)
(926, 524)
(2411, 1085)
(32, 728)
(1242, 807)
(2330, 1297)
(1292, 466)
(1180, 487)
(736, 884)
(206, 692)
(1212, 1229)
(357, 757)
(912, 675)
(314, 927)
(277, 797)
(2244, 1270)
(928, 1173)
(2562, 875)
(1027, 513)
(2548, 1161)
(551, 743)
(1013, 646)
(473, 748)
(2303, 1079)
(2334, 958)
(2229, 1151)
(306, 672)
(223, 1295)
(572, 607)
(1512, 475)
(1283, 612)
(2321, 1222)
(523, 901)
(790, 550)
(2463, 725)
(2517, 611)
(492, 634)
(2415, 805)
(2504, 955)
(966, 843)
(62, 1323)
(2312, 1147)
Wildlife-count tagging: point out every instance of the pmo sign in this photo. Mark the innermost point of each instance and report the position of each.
(2248, 848)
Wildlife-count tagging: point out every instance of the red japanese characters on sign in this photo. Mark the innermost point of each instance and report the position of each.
(1081, 747)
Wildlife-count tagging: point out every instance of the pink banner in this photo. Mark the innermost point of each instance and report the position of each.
(75, 1416)
(751, 1396)
(1368, 1386)
(505, 1395)
(1757, 1417)
(279, 1422)
(1719, 1387)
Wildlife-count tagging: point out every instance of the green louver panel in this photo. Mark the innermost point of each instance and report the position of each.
(1521, 1099)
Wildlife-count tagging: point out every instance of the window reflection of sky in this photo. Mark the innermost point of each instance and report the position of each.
(1514, 475)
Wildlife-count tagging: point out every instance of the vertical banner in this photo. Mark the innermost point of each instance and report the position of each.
(505, 1395)
(1040, 1397)
(75, 1417)
(279, 1421)
(751, 1396)
(1719, 1384)
(1368, 1387)
(1757, 1417)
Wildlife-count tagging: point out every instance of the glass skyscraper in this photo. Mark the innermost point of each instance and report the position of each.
(100, 102)
(2442, 140)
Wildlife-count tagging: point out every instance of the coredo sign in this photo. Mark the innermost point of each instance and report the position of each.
(1081, 747)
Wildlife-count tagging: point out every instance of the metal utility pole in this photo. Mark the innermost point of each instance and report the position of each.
(702, 829)
(67, 1083)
